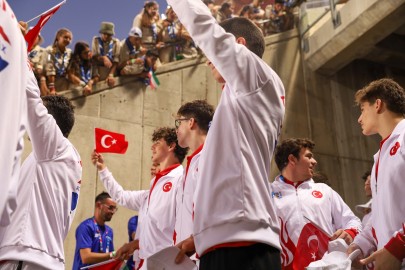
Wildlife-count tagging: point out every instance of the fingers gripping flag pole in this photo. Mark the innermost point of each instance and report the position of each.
(31, 36)
(110, 142)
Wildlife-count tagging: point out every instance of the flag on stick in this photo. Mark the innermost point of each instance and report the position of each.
(153, 80)
(34, 32)
(112, 264)
(110, 142)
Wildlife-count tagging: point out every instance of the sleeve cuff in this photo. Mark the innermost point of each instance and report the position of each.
(353, 232)
(396, 246)
(104, 173)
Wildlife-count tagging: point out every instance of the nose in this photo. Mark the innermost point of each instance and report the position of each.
(359, 120)
(314, 162)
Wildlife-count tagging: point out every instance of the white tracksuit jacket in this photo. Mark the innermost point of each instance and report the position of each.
(13, 110)
(316, 201)
(232, 202)
(156, 208)
(48, 191)
(388, 189)
(184, 199)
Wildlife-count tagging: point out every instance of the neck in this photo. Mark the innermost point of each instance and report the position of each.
(99, 220)
(169, 161)
(288, 174)
(196, 142)
(61, 48)
(388, 124)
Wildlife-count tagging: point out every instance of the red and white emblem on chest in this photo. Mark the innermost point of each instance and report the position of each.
(167, 187)
(317, 194)
(394, 149)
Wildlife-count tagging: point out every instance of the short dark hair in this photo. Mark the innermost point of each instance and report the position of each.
(200, 110)
(320, 177)
(366, 174)
(170, 136)
(389, 91)
(62, 111)
(102, 197)
(243, 27)
(293, 147)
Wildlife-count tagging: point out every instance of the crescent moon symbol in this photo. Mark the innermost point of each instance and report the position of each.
(103, 141)
(313, 237)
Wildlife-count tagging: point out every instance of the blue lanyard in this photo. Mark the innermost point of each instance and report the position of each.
(132, 50)
(170, 31)
(110, 48)
(100, 238)
(60, 68)
(154, 32)
(32, 54)
(85, 76)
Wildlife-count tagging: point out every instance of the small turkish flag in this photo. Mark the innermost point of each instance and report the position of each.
(112, 264)
(110, 142)
(34, 32)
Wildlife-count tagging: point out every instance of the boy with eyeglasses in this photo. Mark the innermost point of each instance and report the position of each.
(94, 239)
(192, 124)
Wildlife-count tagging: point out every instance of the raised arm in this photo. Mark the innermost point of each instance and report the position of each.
(46, 137)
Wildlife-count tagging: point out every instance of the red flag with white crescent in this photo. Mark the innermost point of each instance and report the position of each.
(110, 142)
(34, 32)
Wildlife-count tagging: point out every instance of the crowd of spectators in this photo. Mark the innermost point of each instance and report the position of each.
(152, 41)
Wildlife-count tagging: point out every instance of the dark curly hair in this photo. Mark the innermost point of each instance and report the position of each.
(170, 136)
(62, 111)
(389, 91)
(293, 147)
(366, 174)
(200, 110)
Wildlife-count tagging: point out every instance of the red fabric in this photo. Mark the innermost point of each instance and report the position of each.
(34, 32)
(110, 142)
(312, 245)
(396, 246)
(353, 232)
(114, 265)
(189, 158)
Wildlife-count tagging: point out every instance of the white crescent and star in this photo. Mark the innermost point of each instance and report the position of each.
(104, 138)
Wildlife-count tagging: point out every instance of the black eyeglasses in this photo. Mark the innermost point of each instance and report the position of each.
(177, 122)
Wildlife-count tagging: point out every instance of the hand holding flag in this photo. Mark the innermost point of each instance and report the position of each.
(31, 36)
(110, 142)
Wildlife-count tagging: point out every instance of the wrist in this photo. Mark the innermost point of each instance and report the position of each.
(112, 254)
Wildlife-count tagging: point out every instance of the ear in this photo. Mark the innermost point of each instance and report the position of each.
(241, 40)
(292, 159)
(191, 122)
(172, 146)
(379, 105)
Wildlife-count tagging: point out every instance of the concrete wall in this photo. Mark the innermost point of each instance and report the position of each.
(317, 107)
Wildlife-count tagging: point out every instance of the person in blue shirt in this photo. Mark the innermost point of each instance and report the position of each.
(132, 225)
(94, 239)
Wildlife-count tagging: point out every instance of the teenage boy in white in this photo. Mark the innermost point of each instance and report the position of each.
(235, 225)
(156, 206)
(192, 123)
(382, 105)
(296, 196)
(48, 188)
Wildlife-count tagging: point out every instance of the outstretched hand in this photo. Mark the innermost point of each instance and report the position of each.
(124, 252)
(383, 260)
(98, 160)
(187, 248)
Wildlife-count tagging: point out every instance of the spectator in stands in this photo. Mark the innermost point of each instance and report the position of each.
(212, 7)
(146, 21)
(37, 58)
(57, 60)
(82, 71)
(298, 198)
(257, 9)
(177, 41)
(106, 51)
(247, 12)
(281, 18)
(225, 12)
(131, 52)
(154, 169)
